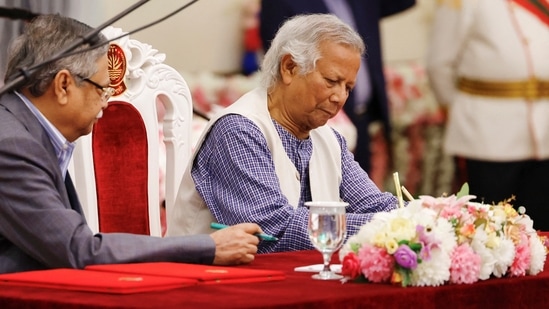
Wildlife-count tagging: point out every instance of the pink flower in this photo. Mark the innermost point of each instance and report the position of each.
(434, 203)
(440, 203)
(476, 211)
(376, 264)
(350, 266)
(465, 266)
(522, 257)
(451, 212)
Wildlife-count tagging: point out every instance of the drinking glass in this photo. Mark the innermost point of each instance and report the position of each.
(327, 229)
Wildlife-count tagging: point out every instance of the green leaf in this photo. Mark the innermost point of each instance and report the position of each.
(355, 247)
(416, 247)
(463, 191)
(406, 278)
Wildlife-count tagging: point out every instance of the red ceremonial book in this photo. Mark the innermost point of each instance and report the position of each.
(203, 273)
(93, 281)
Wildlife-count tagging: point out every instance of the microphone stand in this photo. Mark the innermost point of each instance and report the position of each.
(88, 38)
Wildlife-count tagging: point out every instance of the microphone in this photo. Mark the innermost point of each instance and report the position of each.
(89, 38)
(17, 13)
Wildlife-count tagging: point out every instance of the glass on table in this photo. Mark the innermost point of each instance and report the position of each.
(327, 228)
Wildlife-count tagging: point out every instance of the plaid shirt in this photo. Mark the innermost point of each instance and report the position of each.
(235, 175)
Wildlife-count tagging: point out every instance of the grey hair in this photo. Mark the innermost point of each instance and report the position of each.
(300, 37)
(43, 38)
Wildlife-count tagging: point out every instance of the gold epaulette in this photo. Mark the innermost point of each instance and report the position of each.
(528, 89)
(455, 4)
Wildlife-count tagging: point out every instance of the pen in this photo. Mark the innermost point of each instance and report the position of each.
(262, 236)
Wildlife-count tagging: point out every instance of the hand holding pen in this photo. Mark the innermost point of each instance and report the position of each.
(236, 244)
(262, 236)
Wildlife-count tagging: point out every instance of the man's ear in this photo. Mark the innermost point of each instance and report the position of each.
(288, 68)
(62, 82)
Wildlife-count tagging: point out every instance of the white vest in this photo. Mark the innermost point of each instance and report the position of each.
(192, 216)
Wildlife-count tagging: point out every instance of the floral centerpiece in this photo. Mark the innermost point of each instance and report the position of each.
(438, 240)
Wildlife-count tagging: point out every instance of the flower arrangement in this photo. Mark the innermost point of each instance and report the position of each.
(438, 240)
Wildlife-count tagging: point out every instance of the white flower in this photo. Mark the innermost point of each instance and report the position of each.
(527, 223)
(445, 233)
(487, 258)
(504, 255)
(498, 217)
(434, 272)
(537, 251)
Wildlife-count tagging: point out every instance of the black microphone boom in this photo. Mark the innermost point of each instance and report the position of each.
(17, 13)
(89, 38)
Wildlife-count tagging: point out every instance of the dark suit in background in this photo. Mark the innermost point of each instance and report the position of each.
(367, 14)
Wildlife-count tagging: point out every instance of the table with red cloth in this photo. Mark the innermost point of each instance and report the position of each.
(298, 290)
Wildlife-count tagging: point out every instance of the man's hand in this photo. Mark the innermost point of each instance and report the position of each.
(236, 244)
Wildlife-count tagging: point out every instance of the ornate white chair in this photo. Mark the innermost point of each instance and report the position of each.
(116, 168)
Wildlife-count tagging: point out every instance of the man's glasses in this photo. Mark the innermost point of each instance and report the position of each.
(106, 92)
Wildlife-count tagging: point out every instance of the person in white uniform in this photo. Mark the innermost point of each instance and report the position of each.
(488, 62)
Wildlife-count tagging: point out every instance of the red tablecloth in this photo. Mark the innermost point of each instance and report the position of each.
(298, 290)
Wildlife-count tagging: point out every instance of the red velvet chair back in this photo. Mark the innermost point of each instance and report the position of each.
(119, 145)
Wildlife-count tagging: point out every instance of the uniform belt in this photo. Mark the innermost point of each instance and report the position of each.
(528, 89)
